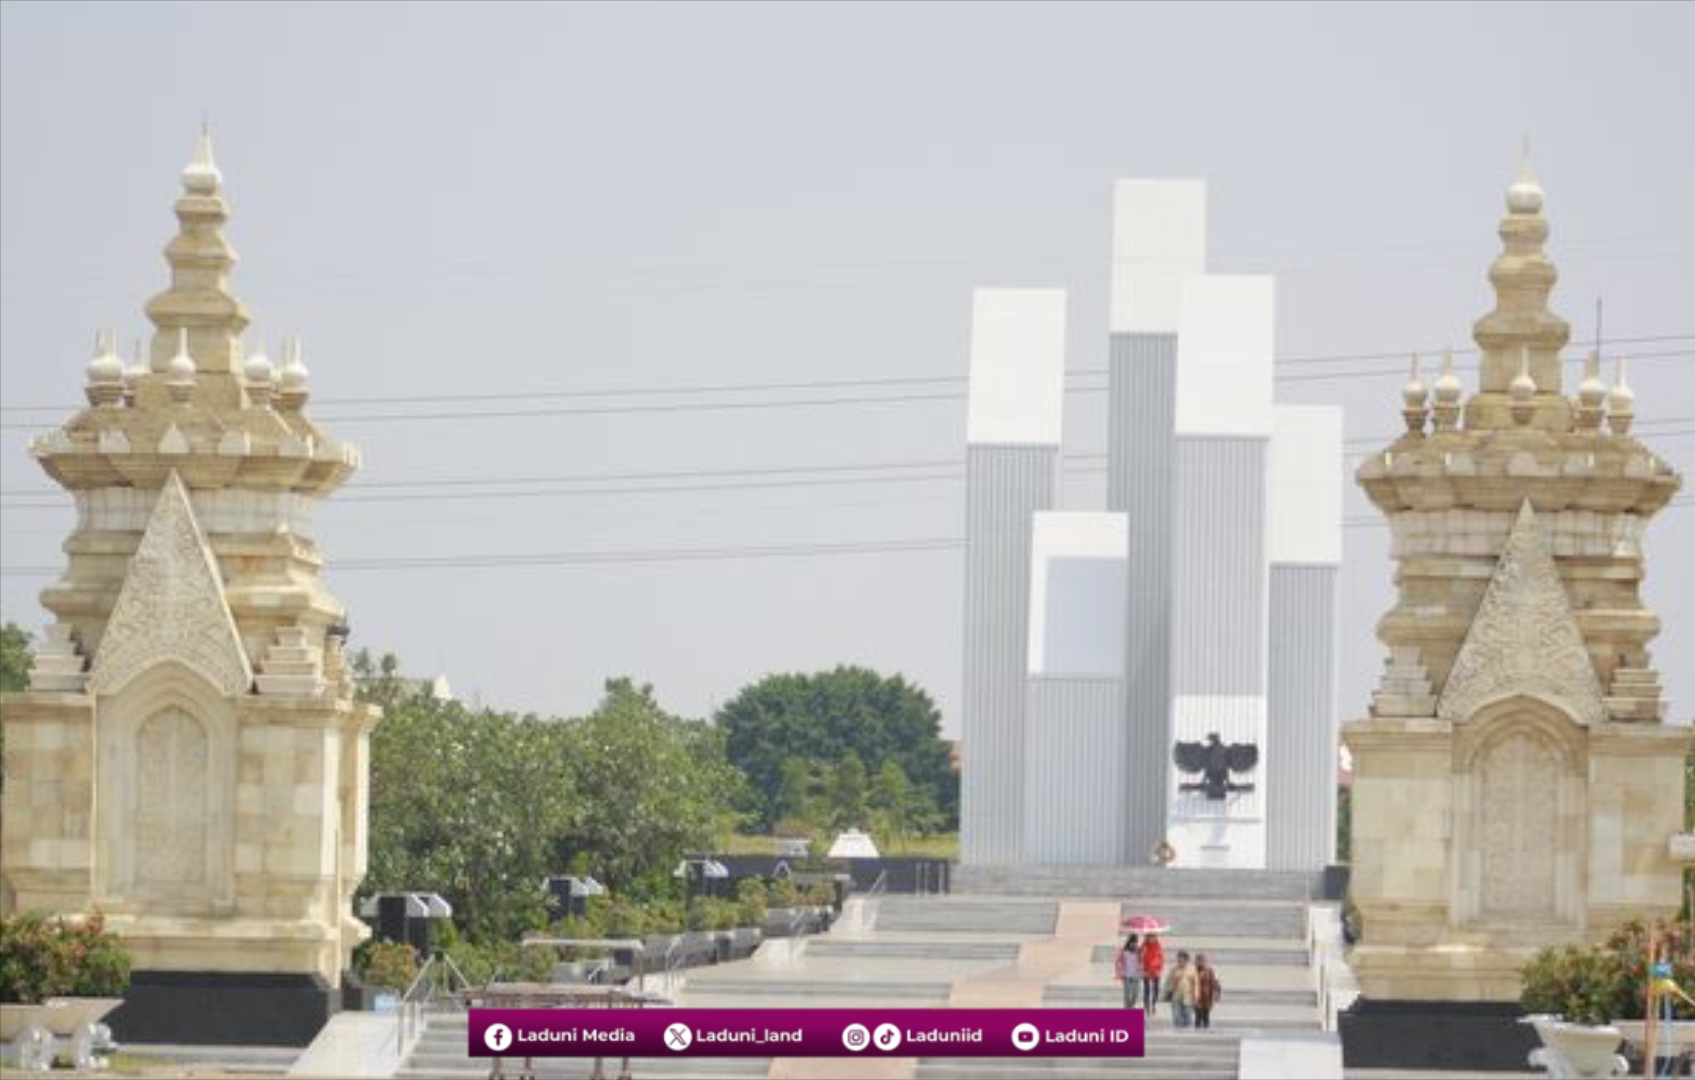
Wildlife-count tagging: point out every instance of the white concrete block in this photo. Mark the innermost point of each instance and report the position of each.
(1017, 393)
(1158, 242)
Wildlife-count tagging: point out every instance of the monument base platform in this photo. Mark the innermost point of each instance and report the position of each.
(1464, 1036)
(222, 1008)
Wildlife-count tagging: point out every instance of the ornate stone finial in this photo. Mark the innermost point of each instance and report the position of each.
(105, 387)
(1523, 390)
(260, 377)
(199, 295)
(1449, 391)
(1591, 394)
(1414, 394)
(201, 176)
(134, 373)
(1525, 194)
(293, 383)
(181, 370)
(1621, 403)
(1523, 277)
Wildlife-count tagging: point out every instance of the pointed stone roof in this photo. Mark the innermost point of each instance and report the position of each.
(199, 298)
(1523, 277)
(172, 607)
(1524, 639)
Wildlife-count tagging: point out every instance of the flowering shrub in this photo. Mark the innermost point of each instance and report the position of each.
(42, 958)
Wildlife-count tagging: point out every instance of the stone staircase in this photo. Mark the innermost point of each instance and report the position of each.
(1135, 881)
(980, 915)
(1191, 1056)
(441, 1053)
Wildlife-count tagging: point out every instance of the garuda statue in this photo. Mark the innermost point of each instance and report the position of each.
(1215, 762)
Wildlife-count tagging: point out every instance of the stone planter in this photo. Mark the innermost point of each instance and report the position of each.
(15, 1018)
(1577, 1050)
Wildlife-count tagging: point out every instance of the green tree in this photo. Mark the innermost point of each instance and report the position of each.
(467, 804)
(828, 717)
(849, 787)
(14, 674)
(14, 658)
(649, 787)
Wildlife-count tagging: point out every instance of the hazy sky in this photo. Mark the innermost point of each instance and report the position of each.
(458, 200)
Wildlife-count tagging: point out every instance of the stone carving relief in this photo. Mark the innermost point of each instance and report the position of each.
(1523, 640)
(172, 607)
(172, 760)
(1518, 826)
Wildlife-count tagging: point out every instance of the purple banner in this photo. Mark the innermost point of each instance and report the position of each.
(805, 1032)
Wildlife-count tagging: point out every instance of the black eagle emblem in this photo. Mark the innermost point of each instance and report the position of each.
(1215, 761)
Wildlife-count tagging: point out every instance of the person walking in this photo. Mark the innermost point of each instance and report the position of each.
(1153, 966)
(1181, 990)
(1127, 969)
(1207, 992)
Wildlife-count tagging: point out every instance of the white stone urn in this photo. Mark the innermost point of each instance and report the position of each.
(1577, 1050)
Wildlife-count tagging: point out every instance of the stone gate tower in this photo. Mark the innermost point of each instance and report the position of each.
(1515, 784)
(188, 757)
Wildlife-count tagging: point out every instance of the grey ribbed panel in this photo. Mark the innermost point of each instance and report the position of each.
(1074, 784)
(1004, 486)
(1301, 692)
(1218, 569)
(1142, 396)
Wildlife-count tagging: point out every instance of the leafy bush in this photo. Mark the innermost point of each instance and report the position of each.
(389, 965)
(1596, 984)
(42, 958)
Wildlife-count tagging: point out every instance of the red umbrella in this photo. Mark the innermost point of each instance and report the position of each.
(1143, 924)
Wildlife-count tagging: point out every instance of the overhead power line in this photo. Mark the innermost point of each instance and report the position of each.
(958, 381)
(538, 560)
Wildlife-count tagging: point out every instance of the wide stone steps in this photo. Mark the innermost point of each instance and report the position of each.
(1229, 956)
(1187, 1056)
(949, 915)
(1122, 882)
(1215, 919)
(1084, 995)
(986, 951)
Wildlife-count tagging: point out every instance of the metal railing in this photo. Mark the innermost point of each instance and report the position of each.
(439, 979)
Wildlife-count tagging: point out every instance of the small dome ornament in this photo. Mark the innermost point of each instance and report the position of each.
(1414, 395)
(201, 175)
(105, 372)
(260, 377)
(1621, 403)
(1525, 194)
(180, 370)
(1449, 390)
(134, 373)
(1591, 394)
(1523, 389)
(293, 382)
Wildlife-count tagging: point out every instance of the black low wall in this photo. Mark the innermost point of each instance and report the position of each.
(216, 1008)
(1466, 1037)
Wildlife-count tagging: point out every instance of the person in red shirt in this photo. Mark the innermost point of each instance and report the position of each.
(1153, 966)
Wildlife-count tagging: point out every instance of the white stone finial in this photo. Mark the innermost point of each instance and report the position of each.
(202, 177)
(181, 370)
(136, 370)
(1449, 390)
(1414, 395)
(1621, 403)
(260, 376)
(1525, 194)
(293, 381)
(105, 365)
(105, 371)
(1522, 389)
(1448, 385)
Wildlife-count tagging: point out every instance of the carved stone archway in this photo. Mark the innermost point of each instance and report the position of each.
(1520, 819)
